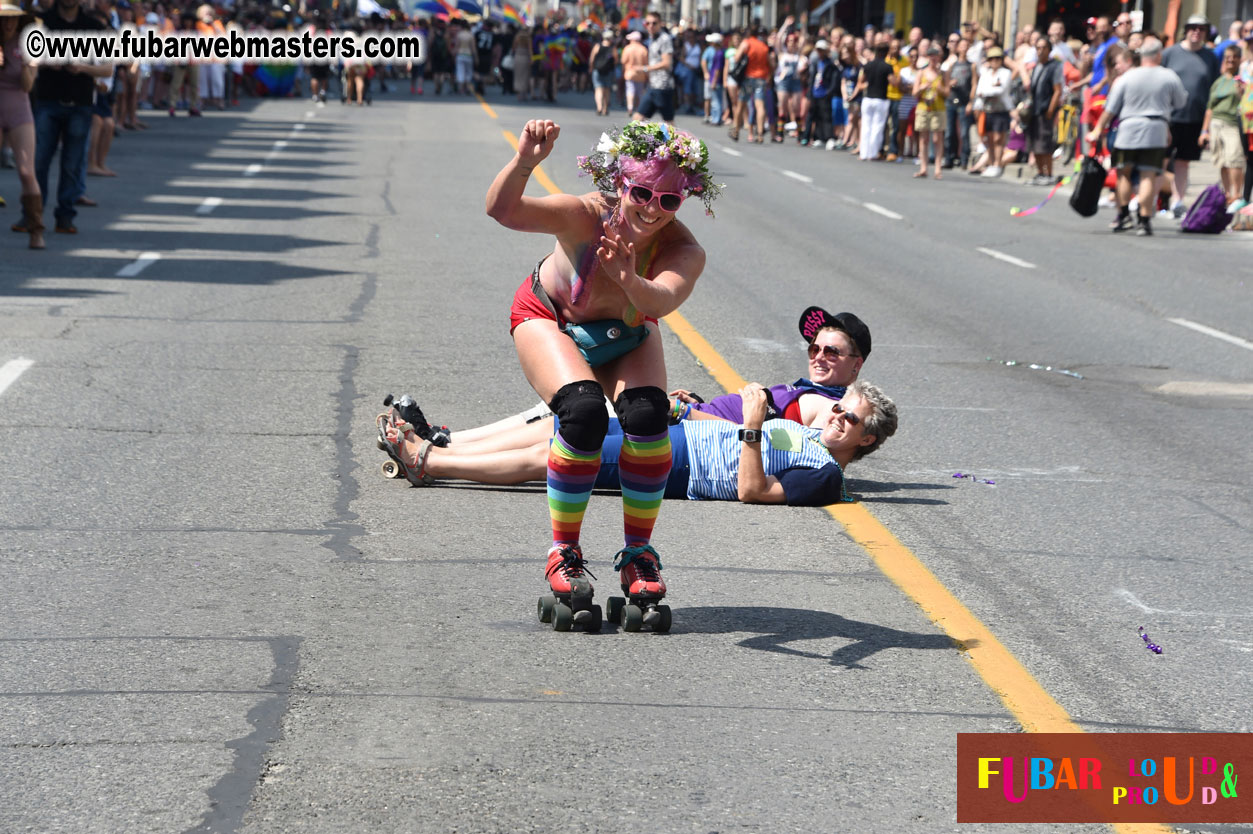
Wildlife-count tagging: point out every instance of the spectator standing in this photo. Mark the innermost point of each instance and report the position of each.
(1235, 37)
(992, 92)
(789, 86)
(635, 70)
(1046, 98)
(212, 80)
(689, 71)
(873, 82)
(484, 44)
(960, 116)
(17, 122)
(62, 106)
(463, 54)
(1057, 37)
(824, 78)
(931, 90)
(603, 60)
(522, 63)
(1221, 128)
(899, 63)
(186, 72)
(1142, 100)
(1246, 109)
(850, 70)
(756, 79)
(659, 96)
(1197, 68)
(712, 62)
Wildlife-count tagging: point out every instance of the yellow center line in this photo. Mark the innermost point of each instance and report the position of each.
(486, 106)
(1025, 698)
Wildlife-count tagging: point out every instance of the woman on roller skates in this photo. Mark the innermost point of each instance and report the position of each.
(584, 324)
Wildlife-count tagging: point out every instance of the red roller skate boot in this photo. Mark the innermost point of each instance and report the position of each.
(570, 603)
(640, 573)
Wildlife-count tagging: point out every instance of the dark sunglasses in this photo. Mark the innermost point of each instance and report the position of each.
(829, 352)
(849, 417)
(642, 195)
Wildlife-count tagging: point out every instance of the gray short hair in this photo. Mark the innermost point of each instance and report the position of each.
(1150, 48)
(882, 421)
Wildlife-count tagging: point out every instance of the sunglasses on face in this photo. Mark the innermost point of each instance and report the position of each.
(849, 417)
(829, 352)
(642, 195)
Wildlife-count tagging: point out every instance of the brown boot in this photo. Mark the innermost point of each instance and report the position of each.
(33, 219)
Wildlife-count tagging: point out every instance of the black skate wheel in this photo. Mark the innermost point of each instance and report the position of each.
(593, 623)
(545, 608)
(662, 625)
(563, 617)
(391, 470)
(632, 617)
(613, 610)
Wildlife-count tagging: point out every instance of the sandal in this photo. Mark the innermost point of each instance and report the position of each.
(397, 467)
(920, 175)
(734, 133)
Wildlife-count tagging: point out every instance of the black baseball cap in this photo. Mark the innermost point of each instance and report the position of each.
(816, 318)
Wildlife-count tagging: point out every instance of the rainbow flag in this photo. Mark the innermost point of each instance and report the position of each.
(514, 16)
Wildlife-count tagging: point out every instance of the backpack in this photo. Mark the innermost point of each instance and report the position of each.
(1208, 214)
(1088, 185)
(604, 60)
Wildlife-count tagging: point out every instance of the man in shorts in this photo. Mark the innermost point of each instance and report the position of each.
(1197, 68)
(659, 96)
(1142, 100)
(1046, 98)
(634, 69)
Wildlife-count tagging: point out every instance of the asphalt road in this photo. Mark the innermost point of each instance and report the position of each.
(218, 617)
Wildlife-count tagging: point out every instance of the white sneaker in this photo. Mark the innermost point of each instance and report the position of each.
(830, 144)
(993, 171)
(790, 126)
(1134, 206)
(1105, 202)
(1179, 210)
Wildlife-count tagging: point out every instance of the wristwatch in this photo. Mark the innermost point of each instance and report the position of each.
(750, 435)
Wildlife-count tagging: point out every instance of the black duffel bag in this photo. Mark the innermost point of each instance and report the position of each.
(1088, 186)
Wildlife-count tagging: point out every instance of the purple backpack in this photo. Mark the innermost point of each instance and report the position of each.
(1208, 214)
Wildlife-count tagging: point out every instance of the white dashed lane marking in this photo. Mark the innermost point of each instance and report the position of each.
(888, 213)
(11, 370)
(137, 266)
(798, 177)
(1001, 256)
(1210, 331)
(209, 204)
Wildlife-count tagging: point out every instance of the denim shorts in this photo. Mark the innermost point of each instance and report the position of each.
(753, 88)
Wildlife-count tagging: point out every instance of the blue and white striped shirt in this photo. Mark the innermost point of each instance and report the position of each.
(790, 452)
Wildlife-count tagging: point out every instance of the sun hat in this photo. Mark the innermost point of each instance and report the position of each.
(634, 36)
(823, 45)
(715, 37)
(11, 8)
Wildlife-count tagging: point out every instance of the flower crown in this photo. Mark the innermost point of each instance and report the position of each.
(651, 140)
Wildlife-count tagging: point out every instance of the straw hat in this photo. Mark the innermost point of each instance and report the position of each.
(10, 8)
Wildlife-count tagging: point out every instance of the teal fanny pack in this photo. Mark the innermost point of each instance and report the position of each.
(605, 340)
(600, 341)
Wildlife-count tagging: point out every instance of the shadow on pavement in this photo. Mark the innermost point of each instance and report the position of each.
(776, 627)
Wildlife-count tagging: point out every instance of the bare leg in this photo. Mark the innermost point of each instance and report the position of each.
(1148, 193)
(516, 466)
(518, 437)
(1181, 180)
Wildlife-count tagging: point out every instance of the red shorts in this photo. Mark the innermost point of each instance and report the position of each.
(526, 306)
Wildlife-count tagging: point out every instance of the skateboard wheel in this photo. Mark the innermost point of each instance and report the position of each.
(632, 617)
(545, 608)
(391, 470)
(613, 610)
(563, 617)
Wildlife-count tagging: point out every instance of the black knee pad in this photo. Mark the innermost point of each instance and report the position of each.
(580, 407)
(643, 412)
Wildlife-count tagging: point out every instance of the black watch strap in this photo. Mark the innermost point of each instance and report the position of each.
(750, 435)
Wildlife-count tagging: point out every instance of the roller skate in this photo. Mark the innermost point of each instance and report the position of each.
(640, 573)
(393, 432)
(570, 603)
(408, 412)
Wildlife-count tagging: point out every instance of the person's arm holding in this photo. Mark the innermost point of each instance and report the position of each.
(506, 202)
(754, 486)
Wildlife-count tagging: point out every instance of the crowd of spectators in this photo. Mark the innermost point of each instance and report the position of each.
(970, 100)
